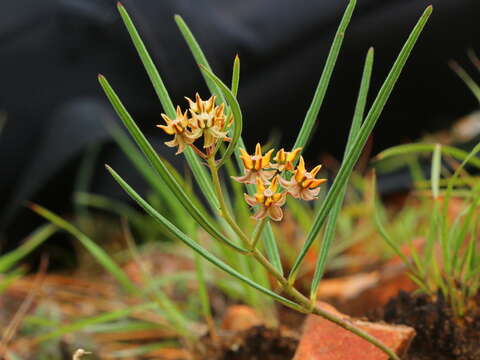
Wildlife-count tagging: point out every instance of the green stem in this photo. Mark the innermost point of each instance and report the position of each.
(223, 207)
(258, 233)
(304, 304)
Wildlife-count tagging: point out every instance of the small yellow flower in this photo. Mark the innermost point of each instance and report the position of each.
(255, 166)
(269, 199)
(284, 160)
(303, 184)
(179, 128)
(207, 120)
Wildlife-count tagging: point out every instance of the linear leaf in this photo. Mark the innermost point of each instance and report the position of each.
(96, 251)
(435, 171)
(199, 57)
(324, 81)
(408, 149)
(360, 140)
(466, 78)
(97, 319)
(8, 260)
(333, 216)
(235, 76)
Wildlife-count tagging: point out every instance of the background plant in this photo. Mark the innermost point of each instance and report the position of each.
(449, 260)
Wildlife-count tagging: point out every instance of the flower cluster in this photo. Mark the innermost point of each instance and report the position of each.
(297, 181)
(202, 119)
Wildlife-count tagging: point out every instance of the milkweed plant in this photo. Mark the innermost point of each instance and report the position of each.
(208, 133)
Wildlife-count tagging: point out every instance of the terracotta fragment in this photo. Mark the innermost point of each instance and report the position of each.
(323, 340)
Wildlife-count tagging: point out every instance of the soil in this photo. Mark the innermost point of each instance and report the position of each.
(440, 336)
(256, 343)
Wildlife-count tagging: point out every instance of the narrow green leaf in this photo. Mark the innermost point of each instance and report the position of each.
(333, 216)
(97, 252)
(235, 76)
(162, 170)
(408, 149)
(436, 168)
(271, 248)
(360, 140)
(147, 61)
(142, 350)
(202, 289)
(194, 246)
(98, 319)
(466, 78)
(324, 81)
(10, 259)
(199, 57)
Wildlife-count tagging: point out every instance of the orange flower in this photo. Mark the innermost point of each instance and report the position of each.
(255, 166)
(179, 128)
(284, 160)
(207, 120)
(269, 199)
(303, 184)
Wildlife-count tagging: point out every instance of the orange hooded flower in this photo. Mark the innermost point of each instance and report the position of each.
(303, 184)
(207, 120)
(284, 160)
(179, 128)
(269, 200)
(255, 166)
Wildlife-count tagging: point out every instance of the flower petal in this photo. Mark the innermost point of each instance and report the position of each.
(275, 213)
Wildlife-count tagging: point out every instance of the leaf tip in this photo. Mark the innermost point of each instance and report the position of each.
(428, 11)
(120, 5)
(33, 206)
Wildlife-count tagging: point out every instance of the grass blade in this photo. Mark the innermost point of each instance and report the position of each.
(193, 245)
(324, 81)
(408, 149)
(98, 319)
(360, 140)
(199, 57)
(235, 76)
(436, 168)
(147, 61)
(97, 252)
(9, 260)
(466, 78)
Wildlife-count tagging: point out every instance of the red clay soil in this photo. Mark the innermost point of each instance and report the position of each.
(439, 335)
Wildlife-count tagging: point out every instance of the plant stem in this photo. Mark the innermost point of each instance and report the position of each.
(258, 233)
(304, 304)
(223, 207)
